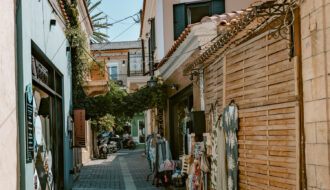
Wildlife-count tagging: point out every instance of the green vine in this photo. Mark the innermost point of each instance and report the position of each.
(115, 108)
(80, 58)
(119, 103)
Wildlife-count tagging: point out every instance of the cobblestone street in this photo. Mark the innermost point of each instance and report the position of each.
(123, 170)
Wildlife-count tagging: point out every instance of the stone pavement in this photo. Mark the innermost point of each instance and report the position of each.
(123, 170)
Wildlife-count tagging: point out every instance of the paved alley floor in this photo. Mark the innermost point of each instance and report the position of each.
(126, 169)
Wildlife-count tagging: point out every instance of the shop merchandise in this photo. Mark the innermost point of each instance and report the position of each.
(230, 126)
(159, 157)
(219, 172)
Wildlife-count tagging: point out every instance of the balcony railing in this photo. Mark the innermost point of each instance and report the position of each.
(136, 73)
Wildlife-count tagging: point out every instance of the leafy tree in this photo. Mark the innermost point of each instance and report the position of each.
(100, 22)
(105, 123)
(122, 105)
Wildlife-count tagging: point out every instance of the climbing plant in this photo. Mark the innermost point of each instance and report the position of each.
(119, 103)
(116, 107)
(122, 106)
(80, 59)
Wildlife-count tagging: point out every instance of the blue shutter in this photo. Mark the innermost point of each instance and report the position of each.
(217, 7)
(179, 15)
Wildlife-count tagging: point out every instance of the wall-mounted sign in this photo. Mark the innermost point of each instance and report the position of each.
(29, 123)
(79, 128)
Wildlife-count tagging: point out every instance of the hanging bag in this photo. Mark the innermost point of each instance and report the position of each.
(205, 165)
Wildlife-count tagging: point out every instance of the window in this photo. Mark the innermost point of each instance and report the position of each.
(113, 71)
(196, 12)
(48, 114)
(185, 14)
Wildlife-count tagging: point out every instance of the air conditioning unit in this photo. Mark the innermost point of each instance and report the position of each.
(120, 82)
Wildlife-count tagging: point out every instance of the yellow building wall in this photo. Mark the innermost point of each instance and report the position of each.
(315, 34)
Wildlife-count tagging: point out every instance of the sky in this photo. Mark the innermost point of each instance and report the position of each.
(117, 10)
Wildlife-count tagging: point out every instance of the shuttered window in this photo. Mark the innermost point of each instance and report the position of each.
(179, 16)
(184, 14)
(152, 35)
(217, 7)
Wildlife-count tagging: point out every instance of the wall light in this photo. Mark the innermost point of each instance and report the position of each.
(52, 22)
(174, 86)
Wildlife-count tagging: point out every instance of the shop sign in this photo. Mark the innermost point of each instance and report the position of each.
(29, 123)
(79, 128)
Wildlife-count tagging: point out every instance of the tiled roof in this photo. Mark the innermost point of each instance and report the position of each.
(230, 30)
(116, 45)
(225, 19)
(60, 2)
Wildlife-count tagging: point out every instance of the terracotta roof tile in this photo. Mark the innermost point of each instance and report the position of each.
(226, 19)
(60, 2)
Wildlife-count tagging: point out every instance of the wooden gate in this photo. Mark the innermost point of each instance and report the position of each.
(261, 78)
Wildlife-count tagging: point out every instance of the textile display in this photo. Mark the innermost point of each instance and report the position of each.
(218, 164)
(230, 126)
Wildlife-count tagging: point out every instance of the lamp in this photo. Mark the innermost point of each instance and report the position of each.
(174, 86)
(152, 82)
(52, 22)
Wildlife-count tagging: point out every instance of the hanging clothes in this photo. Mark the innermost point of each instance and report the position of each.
(218, 164)
(230, 126)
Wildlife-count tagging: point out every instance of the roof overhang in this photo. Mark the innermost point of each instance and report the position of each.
(189, 49)
(142, 17)
(85, 14)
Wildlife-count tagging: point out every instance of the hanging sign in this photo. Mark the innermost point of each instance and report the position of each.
(29, 123)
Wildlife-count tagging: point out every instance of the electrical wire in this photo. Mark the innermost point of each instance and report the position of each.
(131, 16)
(65, 25)
(124, 31)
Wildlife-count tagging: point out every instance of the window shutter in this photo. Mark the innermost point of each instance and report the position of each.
(179, 15)
(153, 34)
(217, 7)
(79, 128)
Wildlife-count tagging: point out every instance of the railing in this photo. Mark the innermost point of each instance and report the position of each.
(136, 73)
(120, 79)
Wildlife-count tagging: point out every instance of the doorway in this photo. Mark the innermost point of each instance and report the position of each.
(179, 104)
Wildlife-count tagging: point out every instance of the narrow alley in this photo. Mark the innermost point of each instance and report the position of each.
(125, 169)
(165, 94)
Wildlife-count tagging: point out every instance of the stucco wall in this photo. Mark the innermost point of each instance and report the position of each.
(9, 165)
(235, 5)
(315, 34)
(33, 24)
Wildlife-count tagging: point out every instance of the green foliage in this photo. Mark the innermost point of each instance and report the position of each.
(80, 60)
(116, 107)
(105, 123)
(100, 22)
(122, 105)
